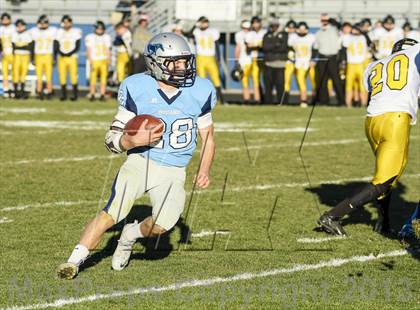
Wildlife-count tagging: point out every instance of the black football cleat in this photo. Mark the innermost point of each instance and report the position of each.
(331, 225)
(75, 93)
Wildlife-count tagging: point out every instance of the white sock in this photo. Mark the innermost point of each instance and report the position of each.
(133, 232)
(79, 255)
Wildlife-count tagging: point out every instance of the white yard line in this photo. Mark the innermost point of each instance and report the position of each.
(335, 262)
(230, 149)
(77, 125)
(234, 189)
(262, 129)
(57, 160)
(205, 233)
(91, 112)
(97, 125)
(319, 240)
(291, 185)
(5, 220)
(23, 110)
(296, 144)
(48, 204)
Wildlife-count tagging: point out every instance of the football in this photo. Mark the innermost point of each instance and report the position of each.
(134, 124)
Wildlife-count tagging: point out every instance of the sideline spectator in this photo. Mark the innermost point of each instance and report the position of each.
(327, 46)
(141, 35)
(243, 60)
(275, 50)
(253, 41)
(123, 44)
(302, 45)
(6, 51)
(207, 49)
(290, 64)
(98, 53)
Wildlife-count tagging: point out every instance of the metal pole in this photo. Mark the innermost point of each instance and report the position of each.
(227, 57)
(264, 8)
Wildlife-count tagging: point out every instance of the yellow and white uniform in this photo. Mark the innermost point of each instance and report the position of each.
(253, 38)
(44, 51)
(385, 40)
(6, 33)
(344, 37)
(289, 68)
(394, 84)
(21, 57)
(68, 64)
(357, 51)
(303, 54)
(99, 54)
(206, 54)
(245, 60)
(124, 53)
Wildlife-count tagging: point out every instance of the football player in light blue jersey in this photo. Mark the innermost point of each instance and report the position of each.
(179, 111)
(156, 160)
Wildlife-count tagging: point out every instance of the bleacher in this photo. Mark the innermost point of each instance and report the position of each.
(224, 15)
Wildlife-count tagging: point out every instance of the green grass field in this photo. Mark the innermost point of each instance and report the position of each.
(56, 174)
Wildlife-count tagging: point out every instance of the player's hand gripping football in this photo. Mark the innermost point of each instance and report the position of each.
(143, 136)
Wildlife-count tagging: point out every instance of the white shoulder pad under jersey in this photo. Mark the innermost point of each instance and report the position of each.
(394, 83)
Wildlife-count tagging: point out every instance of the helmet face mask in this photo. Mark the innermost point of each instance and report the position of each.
(169, 59)
(175, 76)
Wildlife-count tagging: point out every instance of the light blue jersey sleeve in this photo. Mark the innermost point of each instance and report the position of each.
(125, 98)
(133, 92)
(206, 95)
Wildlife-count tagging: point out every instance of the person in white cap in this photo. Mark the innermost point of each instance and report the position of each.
(243, 59)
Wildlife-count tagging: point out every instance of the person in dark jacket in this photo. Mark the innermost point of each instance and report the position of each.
(275, 50)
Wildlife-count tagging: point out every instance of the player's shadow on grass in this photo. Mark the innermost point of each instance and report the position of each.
(399, 212)
(332, 194)
(153, 248)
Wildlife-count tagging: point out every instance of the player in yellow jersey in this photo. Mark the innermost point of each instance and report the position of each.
(302, 44)
(67, 45)
(384, 37)
(6, 31)
(289, 69)
(122, 44)
(253, 42)
(43, 36)
(394, 86)
(22, 53)
(356, 51)
(243, 59)
(98, 46)
(366, 29)
(207, 48)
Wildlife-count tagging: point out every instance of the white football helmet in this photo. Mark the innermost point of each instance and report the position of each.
(164, 49)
